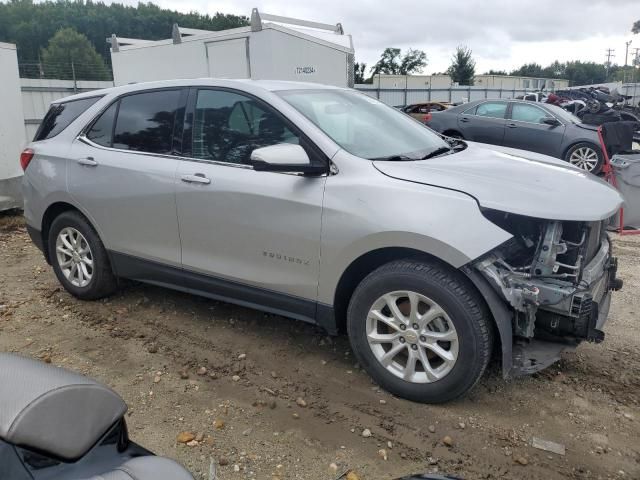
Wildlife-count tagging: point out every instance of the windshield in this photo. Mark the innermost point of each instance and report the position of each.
(563, 114)
(364, 126)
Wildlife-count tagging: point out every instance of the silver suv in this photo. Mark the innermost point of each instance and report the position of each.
(325, 205)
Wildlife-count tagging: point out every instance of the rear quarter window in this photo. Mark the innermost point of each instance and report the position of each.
(61, 115)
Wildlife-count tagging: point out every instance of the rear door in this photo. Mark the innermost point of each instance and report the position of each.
(484, 122)
(525, 129)
(122, 173)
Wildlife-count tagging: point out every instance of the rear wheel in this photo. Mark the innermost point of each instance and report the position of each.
(79, 258)
(420, 331)
(586, 156)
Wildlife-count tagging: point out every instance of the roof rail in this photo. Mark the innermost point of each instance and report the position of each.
(178, 33)
(257, 18)
(117, 42)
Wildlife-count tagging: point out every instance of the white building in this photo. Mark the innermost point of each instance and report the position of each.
(494, 82)
(272, 48)
(12, 136)
(509, 82)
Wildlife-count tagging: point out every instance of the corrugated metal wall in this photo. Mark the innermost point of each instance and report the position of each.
(38, 93)
(401, 96)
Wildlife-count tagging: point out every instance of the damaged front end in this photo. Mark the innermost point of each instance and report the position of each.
(557, 277)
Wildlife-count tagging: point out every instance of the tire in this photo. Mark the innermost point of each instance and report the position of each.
(577, 155)
(462, 307)
(90, 281)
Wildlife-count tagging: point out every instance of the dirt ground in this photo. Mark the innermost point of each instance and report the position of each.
(153, 346)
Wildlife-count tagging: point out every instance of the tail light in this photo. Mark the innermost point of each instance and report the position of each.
(426, 118)
(25, 158)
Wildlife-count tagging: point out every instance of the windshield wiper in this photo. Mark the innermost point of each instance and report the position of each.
(436, 152)
(396, 158)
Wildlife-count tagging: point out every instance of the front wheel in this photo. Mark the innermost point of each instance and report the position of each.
(420, 330)
(586, 156)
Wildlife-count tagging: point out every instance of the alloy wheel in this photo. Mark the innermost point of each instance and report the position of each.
(74, 257)
(412, 337)
(585, 158)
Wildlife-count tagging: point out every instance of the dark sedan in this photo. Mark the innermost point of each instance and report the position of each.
(537, 127)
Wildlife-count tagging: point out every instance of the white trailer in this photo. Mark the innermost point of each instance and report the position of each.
(271, 48)
(12, 136)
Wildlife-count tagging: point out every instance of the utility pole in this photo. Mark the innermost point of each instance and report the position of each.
(607, 65)
(626, 53)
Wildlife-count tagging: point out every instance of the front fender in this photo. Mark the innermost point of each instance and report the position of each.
(365, 210)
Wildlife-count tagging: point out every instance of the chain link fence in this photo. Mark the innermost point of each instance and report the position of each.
(65, 71)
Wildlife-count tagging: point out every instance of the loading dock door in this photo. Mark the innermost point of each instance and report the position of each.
(229, 58)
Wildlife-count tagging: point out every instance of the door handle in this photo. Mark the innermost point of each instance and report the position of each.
(196, 178)
(464, 119)
(88, 162)
(512, 125)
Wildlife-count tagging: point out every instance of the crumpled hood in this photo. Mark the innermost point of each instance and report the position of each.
(515, 181)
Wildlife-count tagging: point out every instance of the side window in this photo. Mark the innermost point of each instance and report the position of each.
(228, 127)
(61, 115)
(527, 113)
(471, 111)
(145, 121)
(492, 109)
(101, 132)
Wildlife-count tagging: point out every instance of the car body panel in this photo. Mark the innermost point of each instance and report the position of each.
(515, 181)
(258, 228)
(357, 219)
(122, 190)
(519, 133)
(481, 129)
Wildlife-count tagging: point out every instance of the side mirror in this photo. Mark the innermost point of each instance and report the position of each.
(551, 121)
(283, 157)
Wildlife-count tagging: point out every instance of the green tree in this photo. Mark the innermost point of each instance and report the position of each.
(392, 62)
(529, 70)
(413, 62)
(359, 72)
(636, 27)
(555, 70)
(585, 73)
(31, 24)
(70, 54)
(463, 66)
(496, 72)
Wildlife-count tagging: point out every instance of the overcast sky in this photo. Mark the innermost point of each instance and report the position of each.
(503, 34)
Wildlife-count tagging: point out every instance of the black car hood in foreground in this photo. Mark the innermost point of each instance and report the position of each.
(515, 181)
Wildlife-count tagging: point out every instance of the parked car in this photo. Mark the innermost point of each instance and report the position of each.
(421, 111)
(325, 205)
(57, 424)
(537, 127)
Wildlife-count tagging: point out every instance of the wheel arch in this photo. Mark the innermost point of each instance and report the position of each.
(50, 214)
(362, 266)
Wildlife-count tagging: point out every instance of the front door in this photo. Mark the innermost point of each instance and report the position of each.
(123, 175)
(484, 122)
(526, 130)
(256, 235)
